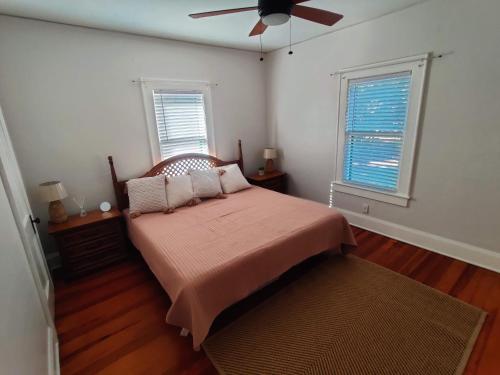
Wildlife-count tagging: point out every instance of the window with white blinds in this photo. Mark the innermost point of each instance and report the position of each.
(181, 122)
(378, 121)
(375, 125)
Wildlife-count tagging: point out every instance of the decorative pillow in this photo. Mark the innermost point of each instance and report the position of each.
(232, 179)
(180, 191)
(147, 194)
(206, 184)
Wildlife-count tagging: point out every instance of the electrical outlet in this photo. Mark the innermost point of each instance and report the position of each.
(366, 208)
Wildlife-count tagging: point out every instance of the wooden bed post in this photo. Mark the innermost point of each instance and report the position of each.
(240, 156)
(116, 186)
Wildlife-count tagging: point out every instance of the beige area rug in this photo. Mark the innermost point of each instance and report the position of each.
(350, 316)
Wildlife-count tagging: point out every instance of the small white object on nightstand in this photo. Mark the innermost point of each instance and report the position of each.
(105, 206)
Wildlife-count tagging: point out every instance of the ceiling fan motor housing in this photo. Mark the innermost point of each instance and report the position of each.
(275, 12)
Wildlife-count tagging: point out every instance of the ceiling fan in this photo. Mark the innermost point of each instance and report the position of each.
(277, 12)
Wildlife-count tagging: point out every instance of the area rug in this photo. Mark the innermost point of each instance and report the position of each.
(349, 316)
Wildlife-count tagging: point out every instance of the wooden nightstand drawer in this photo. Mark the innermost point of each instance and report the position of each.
(91, 247)
(275, 184)
(93, 264)
(90, 233)
(91, 242)
(95, 255)
(275, 181)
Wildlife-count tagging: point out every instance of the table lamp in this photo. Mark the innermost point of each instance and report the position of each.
(269, 154)
(53, 192)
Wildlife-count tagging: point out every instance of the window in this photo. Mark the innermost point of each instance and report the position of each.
(180, 121)
(178, 118)
(378, 121)
(374, 128)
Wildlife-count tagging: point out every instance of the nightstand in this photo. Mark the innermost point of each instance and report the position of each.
(91, 242)
(275, 181)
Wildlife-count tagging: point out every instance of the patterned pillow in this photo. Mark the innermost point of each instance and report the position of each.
(180, 191)
(147, 194)
(232, 179)
(206, 184)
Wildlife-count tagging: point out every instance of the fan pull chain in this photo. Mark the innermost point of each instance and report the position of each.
(290, 52)
(261, 54)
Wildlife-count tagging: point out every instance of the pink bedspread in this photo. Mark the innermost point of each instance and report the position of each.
(210, 256)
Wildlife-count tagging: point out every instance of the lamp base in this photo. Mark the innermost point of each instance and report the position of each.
(269, 167)
(57, 213)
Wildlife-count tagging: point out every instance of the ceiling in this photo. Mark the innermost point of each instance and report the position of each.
(169, 18)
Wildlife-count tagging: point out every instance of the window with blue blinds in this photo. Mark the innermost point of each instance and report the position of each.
(375, 123)
(181, 122)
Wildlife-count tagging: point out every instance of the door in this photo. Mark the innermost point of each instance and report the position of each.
(26, 336)
(16, 193)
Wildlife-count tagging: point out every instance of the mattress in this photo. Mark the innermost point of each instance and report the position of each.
(212, 255)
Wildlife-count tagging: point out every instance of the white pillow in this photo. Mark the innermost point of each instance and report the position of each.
(147, 194)
(179, 191)
(232, 180)
(206, 184)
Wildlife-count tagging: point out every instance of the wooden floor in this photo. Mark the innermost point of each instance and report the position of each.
(113, 322)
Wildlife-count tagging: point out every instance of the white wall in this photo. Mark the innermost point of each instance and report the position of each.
(69, 102)
(456, 187)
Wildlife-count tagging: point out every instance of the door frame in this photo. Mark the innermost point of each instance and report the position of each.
(45, 293)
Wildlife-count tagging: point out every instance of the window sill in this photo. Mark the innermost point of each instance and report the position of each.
(392, 198)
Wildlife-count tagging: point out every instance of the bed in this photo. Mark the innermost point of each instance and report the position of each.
(212, 255)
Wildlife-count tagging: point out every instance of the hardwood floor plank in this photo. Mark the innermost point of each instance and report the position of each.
(483, 290)
(64, 288)
(113, 347)
(418, 256)
(83, 299)
(381, 254)
(430, 270)
(83, 339)
(113, 322)
(164, 355)
(448, 279)
(100, 313)
(368, 244)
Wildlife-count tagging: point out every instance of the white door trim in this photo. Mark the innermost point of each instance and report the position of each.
(53, 352)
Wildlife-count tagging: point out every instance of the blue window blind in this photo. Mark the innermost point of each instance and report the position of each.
(181, 122)
(375, 120)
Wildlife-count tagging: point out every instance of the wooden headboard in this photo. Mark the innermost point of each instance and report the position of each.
(174, 166)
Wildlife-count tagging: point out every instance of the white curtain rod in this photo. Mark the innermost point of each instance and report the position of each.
(431, 56)
(173, 81)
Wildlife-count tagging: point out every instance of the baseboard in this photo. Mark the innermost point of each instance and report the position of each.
(459, 250)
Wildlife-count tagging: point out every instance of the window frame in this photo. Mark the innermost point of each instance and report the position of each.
(150, 85)
(417, 65)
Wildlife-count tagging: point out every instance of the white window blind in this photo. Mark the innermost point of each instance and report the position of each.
(379, 112)
(181, 122)
(375, 123)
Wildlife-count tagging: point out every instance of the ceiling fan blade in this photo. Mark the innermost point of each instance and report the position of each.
(221, 12)
(299, 1)
(259, 28)
(316, 15)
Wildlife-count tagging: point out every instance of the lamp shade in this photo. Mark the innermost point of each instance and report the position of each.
(52, 191)
(270, 153)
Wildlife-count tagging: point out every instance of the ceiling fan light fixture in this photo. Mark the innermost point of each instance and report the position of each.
(278, 12)
(275, 19)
